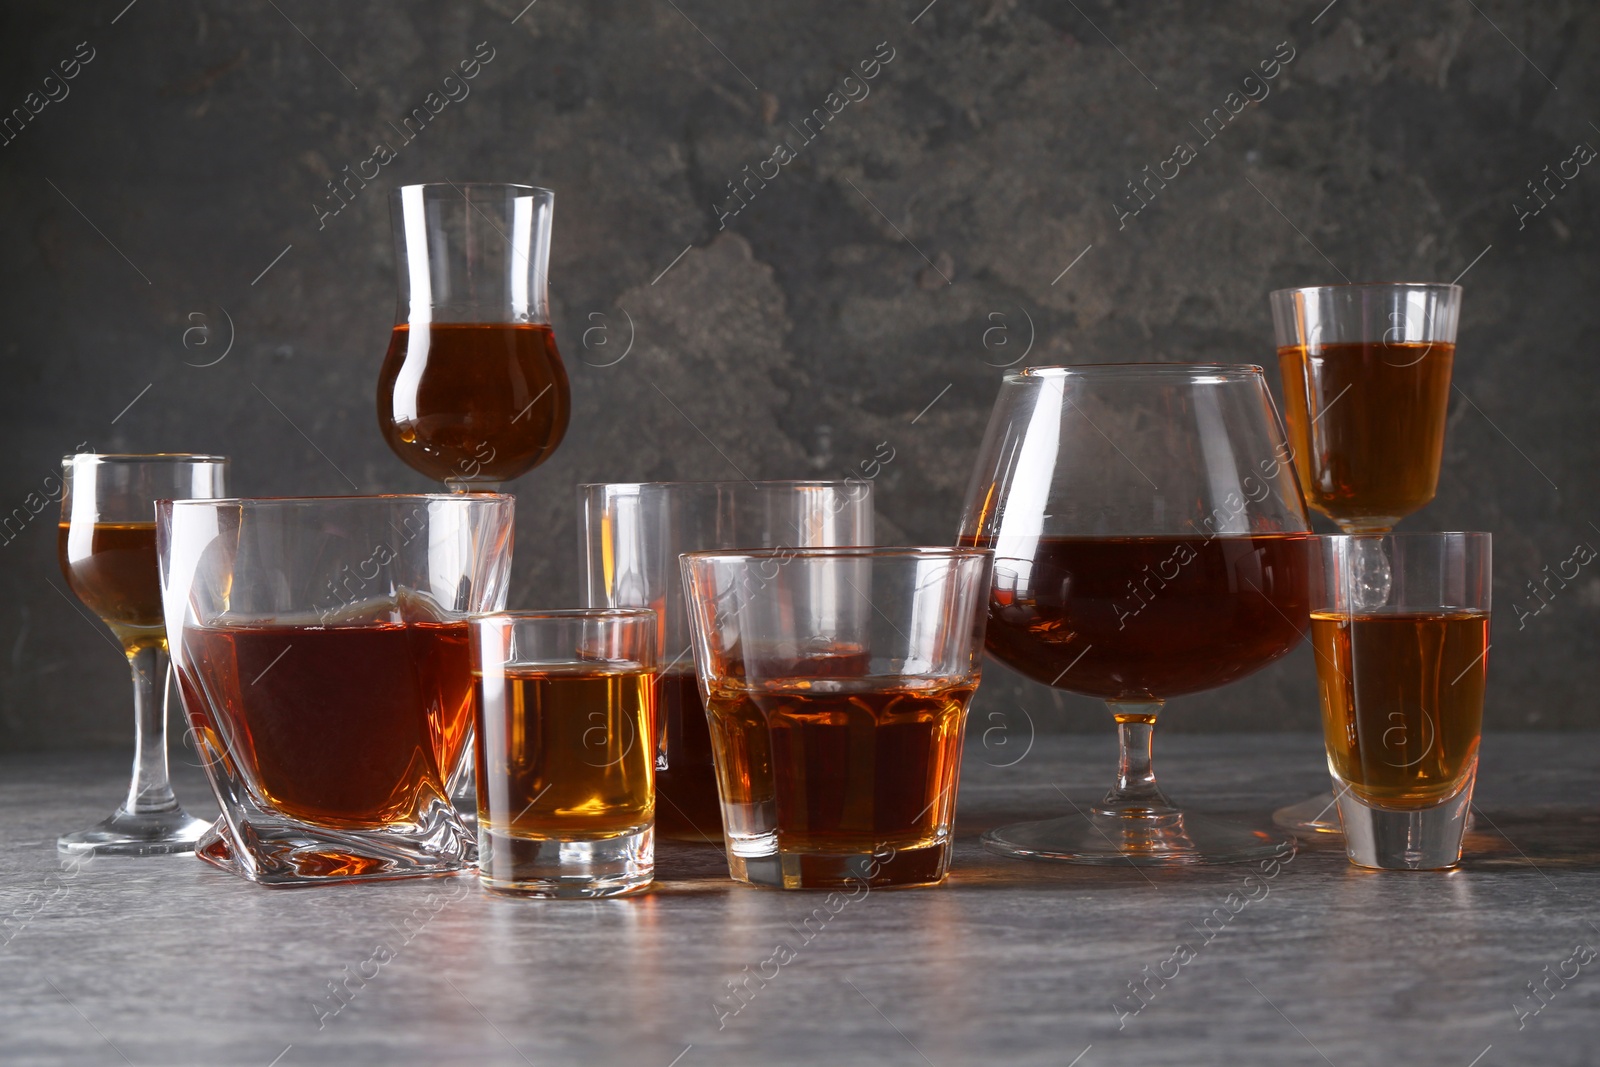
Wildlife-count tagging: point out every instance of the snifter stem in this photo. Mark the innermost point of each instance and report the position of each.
(1136, 792)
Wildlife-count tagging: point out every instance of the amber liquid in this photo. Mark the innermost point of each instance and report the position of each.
(847, 765)
(349, 727)
(116, 576)
(565, 753)
(1402, 701)
(473, 402)
(1147, 618)
(687, 808)
(1366, 422)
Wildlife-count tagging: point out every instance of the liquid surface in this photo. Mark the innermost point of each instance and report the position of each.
(343, 726)
(839, 765)
(115, 573)
(1366, 422)
(1148, 618)
(473, 402)
(565, 754)
(1402, 701)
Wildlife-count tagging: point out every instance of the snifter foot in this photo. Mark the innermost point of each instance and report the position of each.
(127, 833)
(1319, 815)
(1168, 840)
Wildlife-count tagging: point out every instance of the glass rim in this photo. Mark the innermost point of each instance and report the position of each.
(514, 615)
(260, 501)
(1372, 286)
(143, 457)
(1234, 371)
(458, 186)
(759, 483)
(950, 552)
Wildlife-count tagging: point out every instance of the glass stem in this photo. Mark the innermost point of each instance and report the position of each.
(151, 791)
(1136, 792)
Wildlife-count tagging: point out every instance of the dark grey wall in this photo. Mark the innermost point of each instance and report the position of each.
(191, 151)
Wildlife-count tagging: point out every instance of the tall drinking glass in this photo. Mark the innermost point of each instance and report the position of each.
(1366, 392)
(473, 392)
(631, 536)
(836, 683)
(107, 546)
(1149, 541)
(322, 650)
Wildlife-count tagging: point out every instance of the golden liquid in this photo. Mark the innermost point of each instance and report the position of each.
(115, 573)
(1366, 422)
(1402, 701)
(566, 752)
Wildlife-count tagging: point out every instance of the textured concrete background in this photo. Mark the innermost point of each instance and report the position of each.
(164, 210)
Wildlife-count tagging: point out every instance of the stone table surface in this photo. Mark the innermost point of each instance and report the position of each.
(168, 961)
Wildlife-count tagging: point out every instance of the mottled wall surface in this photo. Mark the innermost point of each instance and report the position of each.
(174, 277)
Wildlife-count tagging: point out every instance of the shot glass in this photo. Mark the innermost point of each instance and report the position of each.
(836, 683)
(321, 649)
(1400, 627)
(565, 709)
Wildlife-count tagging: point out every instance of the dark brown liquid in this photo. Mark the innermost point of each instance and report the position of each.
(350, 727)
(687, 808)
(474, 402)
(1148, 618)
(849, 765)
(1366, 422)
(565, 754)
(1402, 701)
(116, 576)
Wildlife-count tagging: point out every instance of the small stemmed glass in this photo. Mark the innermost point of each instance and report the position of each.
(107, 546)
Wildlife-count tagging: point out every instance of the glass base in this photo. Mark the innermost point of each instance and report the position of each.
(887, 866)
(1319, 815)
(1415, 839)
(282, 853)
(464, 798)
(1168, 840)
(125, 833)
(582, 870)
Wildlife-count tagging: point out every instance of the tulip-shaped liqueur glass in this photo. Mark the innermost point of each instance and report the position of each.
(1150, 541)
(322, 650)
(473, 392)
(107, 547)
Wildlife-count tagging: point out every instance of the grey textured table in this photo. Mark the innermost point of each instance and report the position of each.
(167, 961)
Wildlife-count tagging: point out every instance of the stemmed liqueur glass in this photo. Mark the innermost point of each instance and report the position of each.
(1150, 541)
(473, 392)
(107, 546)
(1366, 393)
